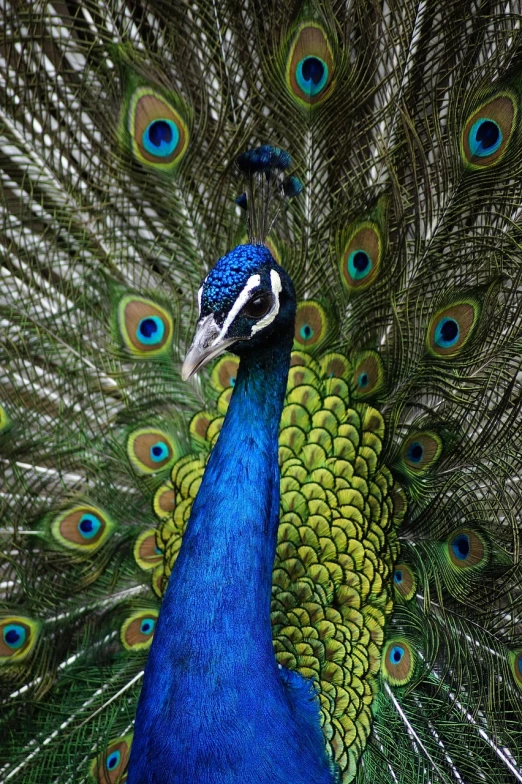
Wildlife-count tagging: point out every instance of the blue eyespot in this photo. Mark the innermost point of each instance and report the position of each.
(447, 332)
(160, 138)
(311, 75)
(150, 330)
(306, 332)
(398, 576)
(485, 137)
(232, 381)
(397, 652)
(415, 452)
(113, 760)
(147, 625)
(519, 664)
(359, 264)
(157, 551)
(159, 451)
(14, 635)
(363, 380)
(461, 546)
(89, 526)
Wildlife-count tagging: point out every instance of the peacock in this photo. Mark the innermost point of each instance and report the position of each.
(261, 383)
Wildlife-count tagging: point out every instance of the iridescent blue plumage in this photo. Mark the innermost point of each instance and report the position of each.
(215, 706)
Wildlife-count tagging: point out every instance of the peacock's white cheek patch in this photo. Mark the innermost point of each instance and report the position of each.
(246, 294)
(252, 283)
(275, 281)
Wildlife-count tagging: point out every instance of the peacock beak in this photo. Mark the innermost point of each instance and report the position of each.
(208, 344)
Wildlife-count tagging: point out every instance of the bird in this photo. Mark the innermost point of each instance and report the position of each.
(261, 382)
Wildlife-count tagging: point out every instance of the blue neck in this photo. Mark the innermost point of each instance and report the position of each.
(212, 686)
(229, 545)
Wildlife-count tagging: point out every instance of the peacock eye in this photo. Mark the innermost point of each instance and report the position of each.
(312, 75)
(257, 307)
(161, 138)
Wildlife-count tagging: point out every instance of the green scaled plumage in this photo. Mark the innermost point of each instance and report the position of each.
(397, 583)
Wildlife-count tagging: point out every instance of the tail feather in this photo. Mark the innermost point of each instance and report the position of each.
(98, 234)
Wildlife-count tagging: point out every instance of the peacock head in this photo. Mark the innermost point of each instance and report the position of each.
(247, 300)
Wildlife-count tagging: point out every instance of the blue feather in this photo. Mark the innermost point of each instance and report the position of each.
(213, 698)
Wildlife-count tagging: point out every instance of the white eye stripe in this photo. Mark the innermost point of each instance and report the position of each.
(253, 282)
(200, 294)
(275, 281)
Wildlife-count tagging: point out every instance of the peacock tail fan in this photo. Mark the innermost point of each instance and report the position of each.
(397, 580)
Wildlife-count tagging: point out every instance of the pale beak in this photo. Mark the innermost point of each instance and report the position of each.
(206, 345)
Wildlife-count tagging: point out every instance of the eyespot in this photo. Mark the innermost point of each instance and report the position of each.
(311, 324)
(359, 264)
(110, 767)
(159, 134)
(398, 662)
(415, 452)
(487, 133)
(89, 525)
(404, 581)
(485, 137)
(362, 255)
(146, 552)
(150, 450)
(159, 452)
(368, 375)
(146, 328)
(311, 75)
(421, 451)
(138, 630)
(83, 528)
(451, 327)
(467, 548)
(18, 636)
(224, 373)
(160, 138)
(151, 330)
(257, 307)
(14, 635)
(447, 332)
(310, 69)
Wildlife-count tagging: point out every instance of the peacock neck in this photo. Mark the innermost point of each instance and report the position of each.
(224, 569)
(214, 626)
(213, 693)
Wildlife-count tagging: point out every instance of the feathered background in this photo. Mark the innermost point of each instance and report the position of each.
(97, 233)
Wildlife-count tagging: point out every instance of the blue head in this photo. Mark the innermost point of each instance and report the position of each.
(247, 301)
